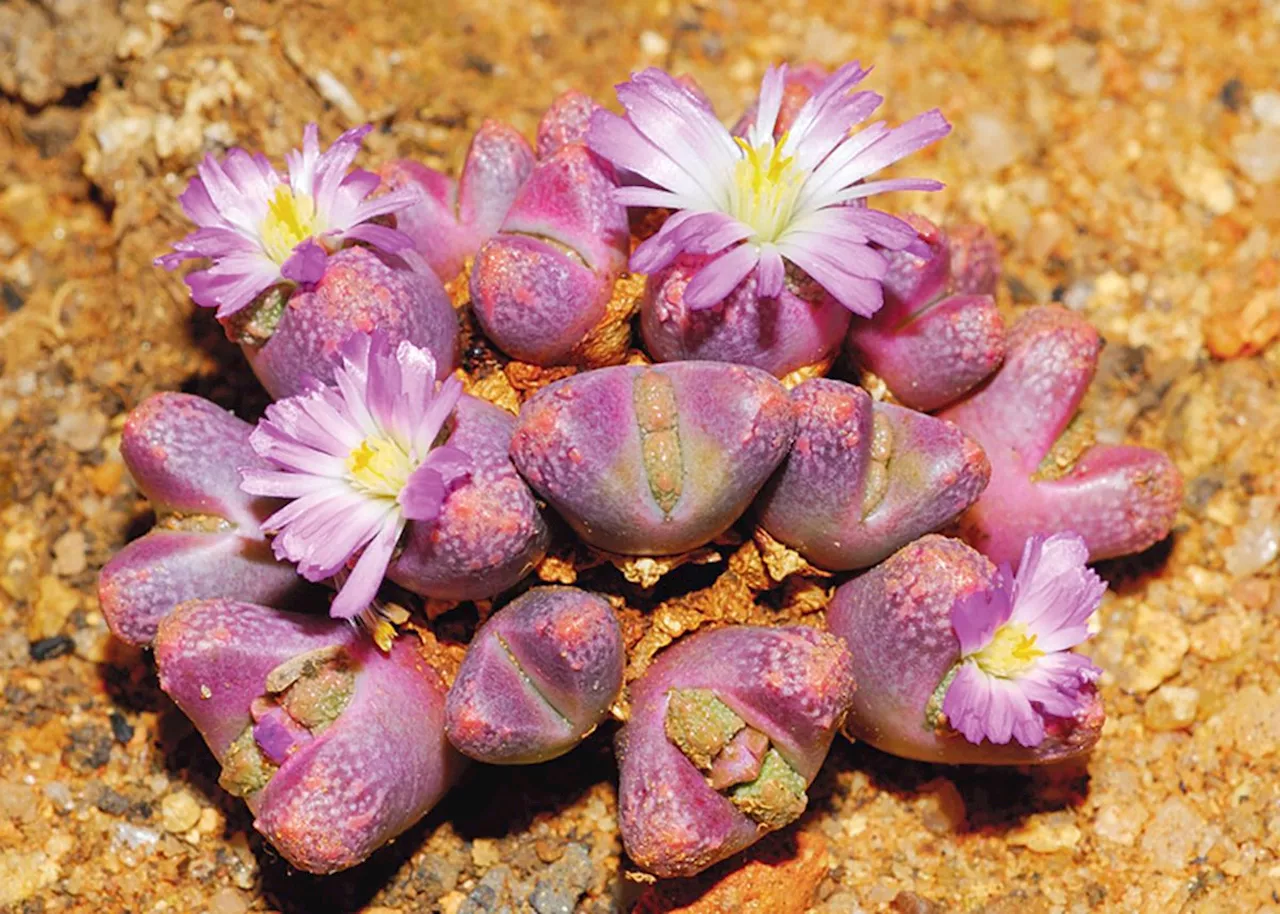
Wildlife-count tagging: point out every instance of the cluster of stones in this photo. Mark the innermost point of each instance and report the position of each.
(338, 745)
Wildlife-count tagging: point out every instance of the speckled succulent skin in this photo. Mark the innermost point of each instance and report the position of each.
(452, 218)
(896, 621)
(565, 122)
(490, 533)
(342, 758)
(538, 677)
(864, 478)
(794, 685)
(360, 291)
(654, 460)
(544, 281)
(939, 333)
(184, 453)
(1119, 499)
(803, 326)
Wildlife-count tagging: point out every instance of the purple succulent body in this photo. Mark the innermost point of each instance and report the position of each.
(184, 453)
(698, 714)
(335, 746)
(538, 677)
(864, 478)
(800, 326)
(449, 220)
(940, 333)
(654, 460)
(358, 292)
(544, 281)
(898, 620)
(566, 121)
(489, 533)
(1119, 499)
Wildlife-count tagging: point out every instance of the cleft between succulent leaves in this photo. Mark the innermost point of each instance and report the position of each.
(255, 325)
(877, 478)
(1076, 438)
(738, 760)
(313, 690)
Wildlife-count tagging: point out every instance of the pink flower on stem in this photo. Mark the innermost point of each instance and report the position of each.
(358, 461)
(1015, 666)
(261, 229)
(757, 201)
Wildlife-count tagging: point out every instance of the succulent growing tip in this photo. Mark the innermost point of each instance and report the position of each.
(727, 730)
(335, 746)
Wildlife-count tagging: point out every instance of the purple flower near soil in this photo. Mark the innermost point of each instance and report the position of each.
(261, 229)
(758, 201)
(1014, 641)
(358, 461)
(917, 621)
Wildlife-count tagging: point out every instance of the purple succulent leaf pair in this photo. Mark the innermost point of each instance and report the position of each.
(544, 281)
(335, 746)
(957, 662)
(939, 334)
(865, 478)
(1119, 499)
(184, 453)
(727, 729)
(537, 678)
(654, 460)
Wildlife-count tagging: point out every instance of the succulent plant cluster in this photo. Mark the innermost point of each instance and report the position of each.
(381, 471)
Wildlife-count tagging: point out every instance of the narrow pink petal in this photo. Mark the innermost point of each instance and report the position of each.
(1055, 591)
(861, 296)
(648, 196)
(282, 484)
(436, 414)
(967, 701)
(306, 264)
(771, 273)
(617, 140)
(891, 185)
(921, 131)
(365, 579)
(771, 89)
(713, 283)
(976, 617)
(380, 236)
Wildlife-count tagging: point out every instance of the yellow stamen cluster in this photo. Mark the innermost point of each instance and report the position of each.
(379, 467)
(766, 187)
(291, 219)
(1011, 651)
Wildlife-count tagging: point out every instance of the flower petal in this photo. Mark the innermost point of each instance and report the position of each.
(717, 278)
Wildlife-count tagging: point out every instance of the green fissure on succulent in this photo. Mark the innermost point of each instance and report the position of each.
(776, 797)
(702, 726)
(245, 770)
(315, 688)
(654, 397)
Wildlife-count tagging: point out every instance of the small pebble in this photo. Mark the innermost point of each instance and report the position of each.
(49, 648)
(653, 44)
(229, 901)
(69, 554)
(121, 729)
(179, 812)
(81, 430)
(1171, 707)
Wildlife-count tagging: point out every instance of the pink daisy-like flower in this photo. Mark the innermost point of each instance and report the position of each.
(756, 201)
(358, 461)
(1015, 666)
(261, 229)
